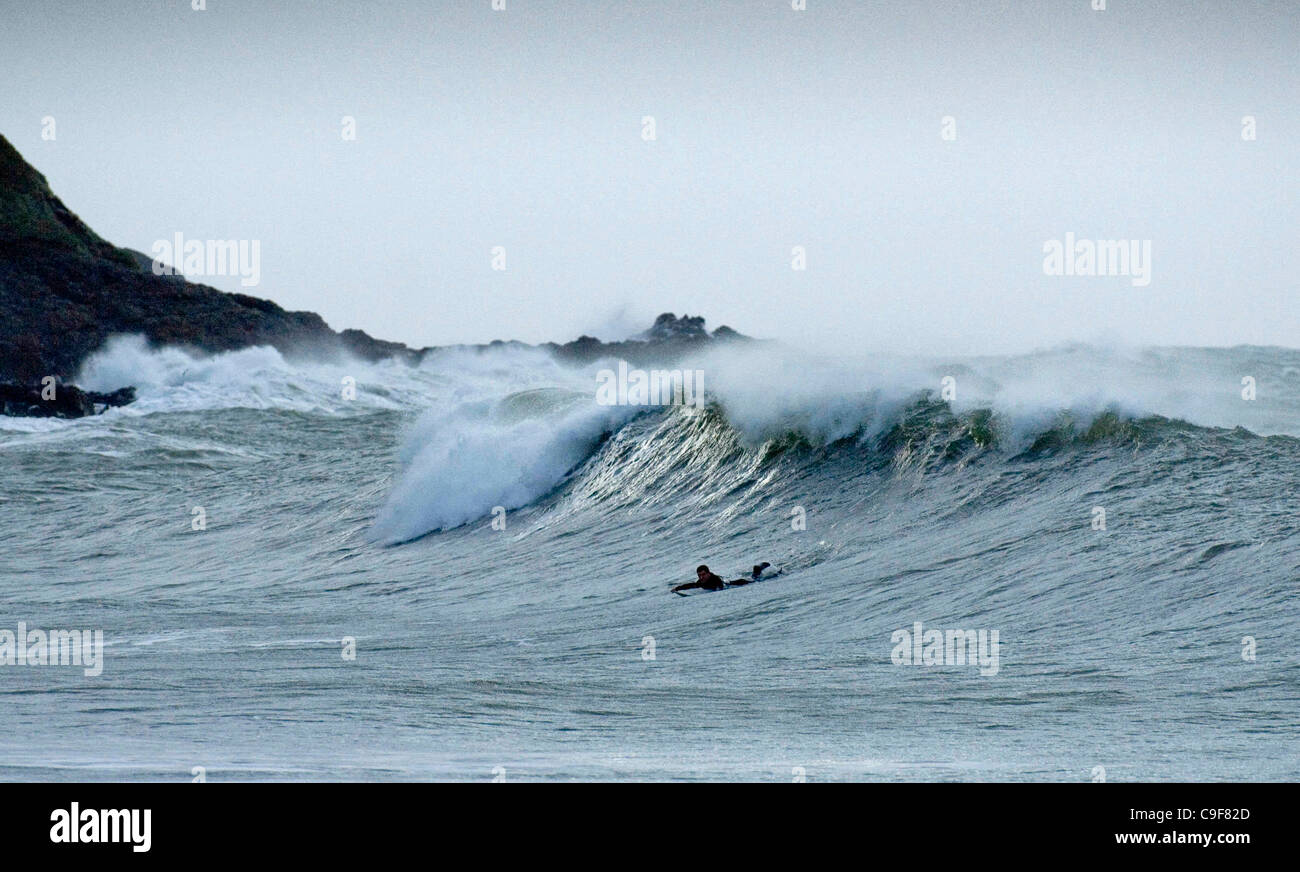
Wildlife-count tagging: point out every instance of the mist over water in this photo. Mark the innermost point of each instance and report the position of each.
(921, 154)
(522, 647)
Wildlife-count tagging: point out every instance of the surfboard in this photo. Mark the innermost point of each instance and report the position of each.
(695, 591)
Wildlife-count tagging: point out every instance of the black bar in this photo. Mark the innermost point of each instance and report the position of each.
(328, 822)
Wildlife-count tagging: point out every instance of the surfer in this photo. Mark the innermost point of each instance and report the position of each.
(704, 579)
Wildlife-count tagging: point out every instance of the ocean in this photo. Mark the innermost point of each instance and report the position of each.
(461, 570)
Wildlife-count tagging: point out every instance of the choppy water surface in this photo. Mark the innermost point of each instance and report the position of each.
(524, 651)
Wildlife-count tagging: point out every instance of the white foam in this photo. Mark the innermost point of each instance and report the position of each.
(501, 427)
(172, 380)
(462, 462)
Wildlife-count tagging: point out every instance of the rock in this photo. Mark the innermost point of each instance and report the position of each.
(667, 326)
(120, 397)
(668, 339)
(68, 401)
(361, 344)
(64, 291)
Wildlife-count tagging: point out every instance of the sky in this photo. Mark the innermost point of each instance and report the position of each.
(524, 130)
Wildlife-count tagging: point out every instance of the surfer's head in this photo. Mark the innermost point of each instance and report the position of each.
(701, 570)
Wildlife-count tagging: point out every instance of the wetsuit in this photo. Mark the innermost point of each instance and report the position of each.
(711, 582)
(708, 582)
(756, 575)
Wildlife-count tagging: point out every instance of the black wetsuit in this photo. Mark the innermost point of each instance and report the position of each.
(711, 582)
(708, 582)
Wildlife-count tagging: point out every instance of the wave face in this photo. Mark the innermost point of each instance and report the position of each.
(506, 446)
(521, 644)
(478, 455)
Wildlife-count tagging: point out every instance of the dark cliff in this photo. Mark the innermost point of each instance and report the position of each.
(64, 291)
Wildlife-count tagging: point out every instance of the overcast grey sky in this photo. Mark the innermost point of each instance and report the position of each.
(774, 128)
